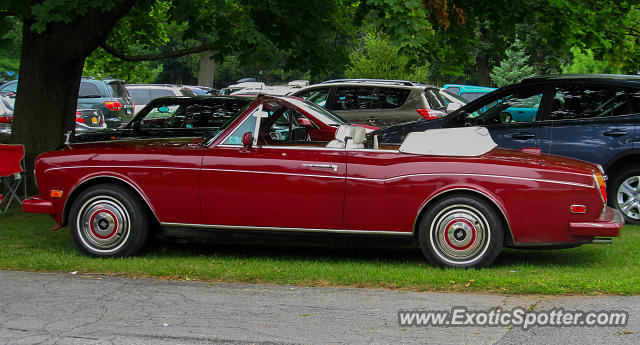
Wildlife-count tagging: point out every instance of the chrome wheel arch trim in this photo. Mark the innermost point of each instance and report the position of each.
(469, 190)
(138, 190)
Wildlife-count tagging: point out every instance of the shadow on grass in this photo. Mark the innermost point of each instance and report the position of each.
(353, 249)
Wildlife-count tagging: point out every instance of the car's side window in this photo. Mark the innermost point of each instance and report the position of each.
(160, 116)
(88, 90)
(248, 125)
(140, 96)
(317, 96)
(356, 98)
(391, 98)
(518, 107)
(580, 102)
(156, 93)
(435, 99)
(285, 126)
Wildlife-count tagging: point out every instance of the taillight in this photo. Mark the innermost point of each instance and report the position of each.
(79, 117)
(602, 185)
(6, 119)
(112, 105)
(427, 114)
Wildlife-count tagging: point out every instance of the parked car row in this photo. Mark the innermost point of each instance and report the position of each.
(87, 119)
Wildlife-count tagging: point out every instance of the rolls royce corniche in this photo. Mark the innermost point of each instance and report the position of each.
(454, 191)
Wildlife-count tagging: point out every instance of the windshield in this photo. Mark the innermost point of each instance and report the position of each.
(319, 112)
(214, 135)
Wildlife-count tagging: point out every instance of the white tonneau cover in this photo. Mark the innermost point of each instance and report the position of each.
(463, 141)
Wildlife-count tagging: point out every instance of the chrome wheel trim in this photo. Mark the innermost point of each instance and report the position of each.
(103, 224)
(628, 197)
(460, 234)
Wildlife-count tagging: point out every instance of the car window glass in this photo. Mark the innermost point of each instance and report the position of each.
(283, 126)
(435, 100)
(140, 96)
(11, 87)
(521, 106)
(320, 113)
(160, 116)
(472, 95)
(391, 98)
(355, 98)
(634, 100)
(317, 96)
(580, 102)
(217, 113)
(454, 90)
(248, 125)
(88, 90)
(188, 92)
(155, 93)
(119, 91)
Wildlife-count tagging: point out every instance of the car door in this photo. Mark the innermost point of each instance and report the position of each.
(279, 184)
(591, 122)
(497, 115)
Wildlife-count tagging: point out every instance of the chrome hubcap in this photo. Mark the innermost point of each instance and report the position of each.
(103, 223)
(628, 197)
(460, 234)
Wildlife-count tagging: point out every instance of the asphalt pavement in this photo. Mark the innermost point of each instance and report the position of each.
(48, 308)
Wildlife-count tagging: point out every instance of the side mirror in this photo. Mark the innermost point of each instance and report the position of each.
(247, 141)
(303, 122)
(451, 107)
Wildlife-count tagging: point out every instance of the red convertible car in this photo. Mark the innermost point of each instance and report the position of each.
(461, 197)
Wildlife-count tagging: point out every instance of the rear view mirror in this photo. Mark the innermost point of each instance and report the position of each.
(247, 141)
(303, 122)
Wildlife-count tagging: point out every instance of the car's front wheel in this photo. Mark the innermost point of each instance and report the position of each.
(461, 231)
(624, 193)
(109, 221)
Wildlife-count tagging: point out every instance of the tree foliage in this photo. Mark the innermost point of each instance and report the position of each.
(514, 67)
(378, 59)
(584, 61)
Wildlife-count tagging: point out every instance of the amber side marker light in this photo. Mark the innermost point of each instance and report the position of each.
(56, 193)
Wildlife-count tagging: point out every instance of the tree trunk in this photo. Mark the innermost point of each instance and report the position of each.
(207, 69)
(51, 66)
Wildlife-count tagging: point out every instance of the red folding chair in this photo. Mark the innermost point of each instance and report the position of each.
(12, 175)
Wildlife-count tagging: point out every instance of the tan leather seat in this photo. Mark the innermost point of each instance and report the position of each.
(344, 131)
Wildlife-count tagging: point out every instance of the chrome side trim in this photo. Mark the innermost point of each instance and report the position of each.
(504, 215)
(275, 173)
(466, 174)
(263, 228)
(138, 191)
(328, 176)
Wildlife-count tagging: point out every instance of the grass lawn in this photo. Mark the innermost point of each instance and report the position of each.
(27, 244)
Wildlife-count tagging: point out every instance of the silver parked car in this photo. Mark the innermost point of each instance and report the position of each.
(377, 102)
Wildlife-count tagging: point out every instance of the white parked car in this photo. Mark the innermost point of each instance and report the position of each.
(142, 94)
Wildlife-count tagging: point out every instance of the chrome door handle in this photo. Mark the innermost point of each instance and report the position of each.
(324, 166)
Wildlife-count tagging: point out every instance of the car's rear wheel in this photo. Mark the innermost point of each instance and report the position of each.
(624, 193)
(461, 231)
(108, 220)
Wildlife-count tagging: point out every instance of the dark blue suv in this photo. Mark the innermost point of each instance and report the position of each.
(590, 117)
